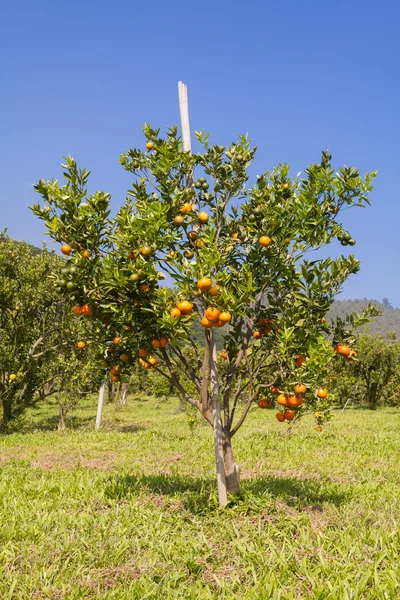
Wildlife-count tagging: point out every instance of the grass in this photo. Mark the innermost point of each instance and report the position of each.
(131, 511)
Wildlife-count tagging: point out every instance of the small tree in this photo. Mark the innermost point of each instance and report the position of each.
(236, 257)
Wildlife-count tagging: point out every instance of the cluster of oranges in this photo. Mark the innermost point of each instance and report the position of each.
(85, 310)
(149, 361)
(213, 317)
(184, 307)
(290, 402)
(264, 327)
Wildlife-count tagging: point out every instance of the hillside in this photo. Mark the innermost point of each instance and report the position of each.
(388, 321)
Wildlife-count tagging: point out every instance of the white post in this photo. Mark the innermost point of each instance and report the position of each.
(100, 405)
(184, 112)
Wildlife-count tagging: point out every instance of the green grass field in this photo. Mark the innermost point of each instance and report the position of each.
(131, 512)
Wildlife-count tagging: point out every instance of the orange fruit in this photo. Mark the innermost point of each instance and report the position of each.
(86, 254)
(114, 370)
(206, 323)
(219, 323)
(144, 288)
(143, 352)
(342, 350)
(175, 312)
(156, 344)
(199, 243)
(147, 365)
(204, 284)
(214, 291)
(283, 400)
(77, 310)
(150, 145)
(163, 342)
(66, 249)
(146, 250)
(299, 360)
(225, 317)
(81, 345)
(152, 360)
(263, 403)
(185, 307)
(124, 357)
(179, 220)
(140, 361)
(224, 354)
(323, 320)
(235, 236)
(186, 208)
(12, 377)
(296, 400)
(192, 235)
(117, 340)
(115, 378)
(285, 186)
(212, 314)
(86, 309)
(256, 335)
(265, 240)
(322, 393)
(300, 388)
(289, 415)
(280, 416)
(275, 389)
(203, 217)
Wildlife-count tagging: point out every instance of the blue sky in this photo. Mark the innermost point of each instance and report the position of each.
(81, 77)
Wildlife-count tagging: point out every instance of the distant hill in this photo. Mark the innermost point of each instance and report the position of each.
(388, 321)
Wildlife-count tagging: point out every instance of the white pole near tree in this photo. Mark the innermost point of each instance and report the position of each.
(100, 405)
(184, 112)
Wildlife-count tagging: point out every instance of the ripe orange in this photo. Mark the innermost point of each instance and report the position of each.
(12, 377)
(186, 208)
(175, 312)
(300, 388)
(225, 317)
(203, 217)
(299, 360)
(86, 254)
(263, 403)
(86, 310)
(149, 145)
(117, 340)
(204, 283)
(124, 357)
(289, 415)
(275, 389)
(152, 360)
(146, 250)
(296, 400)
(115, 378)
(224, 354)
(285, 186)
(322, 393)
(185, 307)
(256, 334)
(323, 320)
(179, 220)
(206, 323)
(163, 342)
(283, 400)
(280, 416)
(199, 243)
(212, 314)
(77, 310)
(214, 291)
(147, 365)
(343, 350)
(188, 254)
(192, 235)
(143, 352)
(66, 249)
(156, 344)
(235, 236)
(265, 240)
(114, 370)
(145, 288)
(81, 345)
(219, 323)
(140, 361)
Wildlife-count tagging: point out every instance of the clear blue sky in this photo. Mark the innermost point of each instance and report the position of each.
(80, 78)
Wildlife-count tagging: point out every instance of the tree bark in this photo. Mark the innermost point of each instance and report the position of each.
(217, 421)
(7, 410)
(124, 394)
(232, 469)
(373, 396)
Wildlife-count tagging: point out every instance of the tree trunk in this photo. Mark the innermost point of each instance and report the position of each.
(61, 418)
(232, 470)
(373, 396)
(124, 394)
(217, 422)
(7, 410)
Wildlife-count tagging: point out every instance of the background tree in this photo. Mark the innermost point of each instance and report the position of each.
(236, 257)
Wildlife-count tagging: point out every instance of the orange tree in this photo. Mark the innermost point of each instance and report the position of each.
(235, 258)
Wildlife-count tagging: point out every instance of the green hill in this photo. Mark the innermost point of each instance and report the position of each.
(388, 321)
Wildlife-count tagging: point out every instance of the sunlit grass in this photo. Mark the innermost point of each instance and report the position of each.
(131, 512)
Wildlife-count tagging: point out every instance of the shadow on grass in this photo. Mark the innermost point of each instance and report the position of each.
(198, 496)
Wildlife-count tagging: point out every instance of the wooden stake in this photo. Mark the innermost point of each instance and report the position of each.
(100, 405)
(184, 112)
